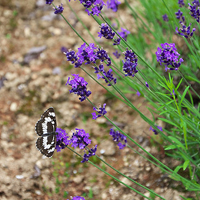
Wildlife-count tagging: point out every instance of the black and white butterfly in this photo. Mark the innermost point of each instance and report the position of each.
(46, 129)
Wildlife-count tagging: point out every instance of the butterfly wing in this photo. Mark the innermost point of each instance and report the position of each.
(47, 122)
(46, 145)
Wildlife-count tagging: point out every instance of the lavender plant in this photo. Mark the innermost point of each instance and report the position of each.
(173, 101)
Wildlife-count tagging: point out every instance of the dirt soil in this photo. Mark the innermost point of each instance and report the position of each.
(33, 73)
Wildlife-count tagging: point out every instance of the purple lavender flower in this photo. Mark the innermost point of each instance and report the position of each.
(118, 137)
(97, 6)
(62, 139)
(181, 3)
(102, 55)
(101, 111)
(117, 41)
(165, 18)
(91, 152)
(77, 198)
(138, 93)
(169, 56)
(178, 14)
(124, 33)
(64, 49)
(71, 56)
(80, 139)
(116, 54)
(156, 132)
(87, 53)
(58, 9)
(113, 5)
(194, 11)
(196, 2)
(173, 92)
(129, 66)
(106, 32)
(79, 87)
(106, 75)
(147, 85)
(185, 31)
(49, 2)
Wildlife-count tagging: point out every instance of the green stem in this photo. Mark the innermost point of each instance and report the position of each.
(111, 175)
(164, 166)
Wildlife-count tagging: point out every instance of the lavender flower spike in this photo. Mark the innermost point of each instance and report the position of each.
(58, 9)
(62, 139)
(194, 11)
(79, 87)
(77, 198)
(91, 152)
(49, 2)
(80, 139)
(118, 137)
(101, 111)
(106, 32)
(113, 4)
(169, 56)
(156, 132)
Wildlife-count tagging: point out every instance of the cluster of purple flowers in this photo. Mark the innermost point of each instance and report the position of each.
(165, 18)
(79, 87)
(195, 10)
(62, 139)
(77, 198)
(116, 54)
(196, 2)
(102, 55)
(90, 54)
(169, 56)
(107, 76)
(113, 4)
(49, 2)
(184, 30)
(107, 32)
(124, 33)
(156, 132)
(58, 9)
(101, 111)
(130, 63)
(118, 137)
(179, 15)
(181, 3)
(78, 139)
(87, 54)
(91, 152)
(95, 5)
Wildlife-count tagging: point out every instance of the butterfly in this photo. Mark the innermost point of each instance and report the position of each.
(46, 129)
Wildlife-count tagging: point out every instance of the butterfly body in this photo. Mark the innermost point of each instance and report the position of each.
(46, 129)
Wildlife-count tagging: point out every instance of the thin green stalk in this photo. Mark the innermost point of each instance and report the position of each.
(71, 27)
(103, 86)
(164, 166)
(151, 191)
(82, 23)
(188, 84)
(111, 175)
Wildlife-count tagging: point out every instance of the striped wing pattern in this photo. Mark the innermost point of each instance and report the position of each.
(45, 128)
